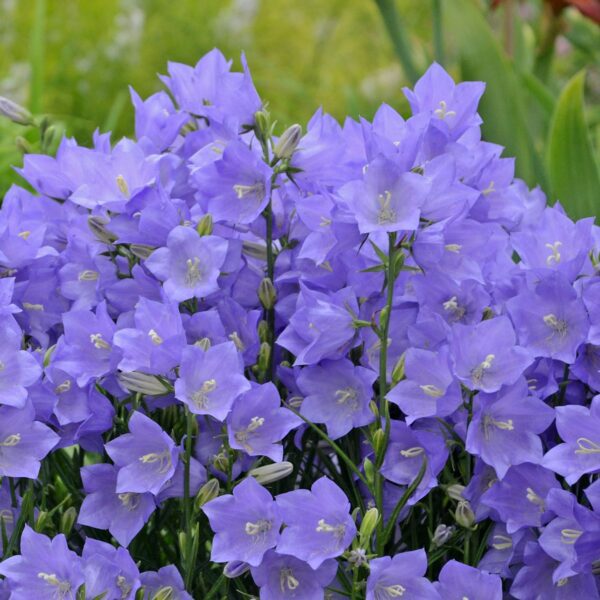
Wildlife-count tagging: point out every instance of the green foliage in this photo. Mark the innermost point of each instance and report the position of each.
(73, 61)
(572, 166)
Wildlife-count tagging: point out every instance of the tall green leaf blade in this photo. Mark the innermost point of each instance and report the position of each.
(572, 167)
(502, 107)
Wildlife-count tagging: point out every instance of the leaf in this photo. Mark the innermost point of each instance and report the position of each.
(502, 106)
(573, 171)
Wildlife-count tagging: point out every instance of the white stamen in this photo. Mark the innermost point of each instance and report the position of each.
(156, 339)
(11, 440)
(287, 580)
(200, 397)
(242, 191)
(456, 248)
(442, 112)
(386, 213)
(479, 371)
(558, 326)
(569, 536)
(503, 543)
(587, 446)
(34, 307)
(412, 452)
(192, 275)
(432, 390)
(489, 189)
(535, 499)
(554, 257)
(88, 275)
(337, 530)
(122, 185)
(99, 343)
(130, 500)
(261, 526)
(162, 459)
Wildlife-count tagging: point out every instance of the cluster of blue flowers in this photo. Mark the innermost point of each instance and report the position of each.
(359, 361)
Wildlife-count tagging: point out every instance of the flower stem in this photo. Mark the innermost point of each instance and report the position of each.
(187, 500)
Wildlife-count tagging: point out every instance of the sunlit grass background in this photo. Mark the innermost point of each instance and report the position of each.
(73, 60)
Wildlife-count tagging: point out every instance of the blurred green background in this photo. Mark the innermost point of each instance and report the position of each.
(73, 60)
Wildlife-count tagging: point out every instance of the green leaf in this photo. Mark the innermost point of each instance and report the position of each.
(573, 171)
(502, 107)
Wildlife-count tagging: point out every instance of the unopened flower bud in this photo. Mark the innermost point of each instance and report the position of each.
(235, 568)
(149, 385)
(264, 333)
(270, 473)
(264, 356)
(378, 440)
(464, 515)
(142, 251)
(262, 124)
(369, 470)
(42, 520)
(267, 293)
(254, 250)
(98, 227)
(374, 408)
(15, 112)
(368, 525)
(442, 534)
(288, 142)
(67, 520)
(209, 491)
(455, 491)
(221, 461)
(205, 225)
(398, 370)
(48, 355)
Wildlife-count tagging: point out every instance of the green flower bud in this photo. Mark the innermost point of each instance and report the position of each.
(267, 293)
(398, 370)
(368, 525)
(67, 520)
(369, 469)
(455, 491)
(98, 227)
(264, 333)
(264, 355)
(42, 520)
(205, 225)
(149, 385)
(464, 515)
(209, 491)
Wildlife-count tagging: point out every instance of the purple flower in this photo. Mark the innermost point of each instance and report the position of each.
(155, 344)
(246, 523)
(258, 421)
(166, 580)
(400, 575)
(18, 368)
(45, 569)
(486, 356)
(23, 442)
(405, 453)
(322, 326)
(318, 523)
(458, 581)
(554, 242)
(338, 394)
(235, 188)
(452, 106)
(123, 514)
(552, 320)
(579, 453)
(146, 457)
(534, 580)
(282, 576)
(190, 265)
(210, 381)
(86, 351)
(388, 199)
(520, 498)
(429, 388)
(109, 570)
(505, 427)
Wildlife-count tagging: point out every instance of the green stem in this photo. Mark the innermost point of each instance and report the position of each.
(397, 34)
(341, 454)
(384, 409)
(270, 274)
(187, 500)
(438, 32)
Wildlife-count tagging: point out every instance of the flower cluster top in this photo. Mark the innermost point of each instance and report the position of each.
(355, 361)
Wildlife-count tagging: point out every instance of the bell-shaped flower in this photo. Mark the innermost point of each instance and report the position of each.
(210, 380)
(318, 522)
(338, 394)
(246, 523)
(146, 457)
